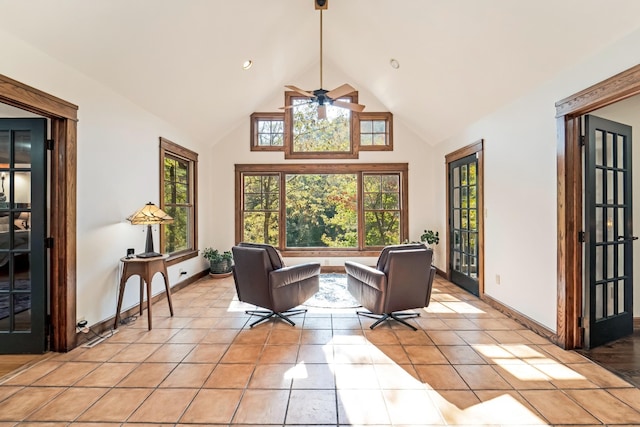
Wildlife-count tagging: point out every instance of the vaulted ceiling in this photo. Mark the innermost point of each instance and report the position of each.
(181, 59)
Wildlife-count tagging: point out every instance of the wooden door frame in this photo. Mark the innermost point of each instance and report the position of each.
(569, 170)
(474, 148)
(62, 225)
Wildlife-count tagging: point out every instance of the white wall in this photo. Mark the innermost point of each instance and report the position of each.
(628, 112)
(118, 152)
(520, 185)
(234, 148)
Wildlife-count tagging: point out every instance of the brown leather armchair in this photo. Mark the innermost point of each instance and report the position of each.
(402, 280)
(262, 279)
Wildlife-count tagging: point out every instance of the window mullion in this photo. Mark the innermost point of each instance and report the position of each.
(282, 220)
(360, 207)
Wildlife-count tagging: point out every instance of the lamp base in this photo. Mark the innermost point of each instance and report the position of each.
(148, 255)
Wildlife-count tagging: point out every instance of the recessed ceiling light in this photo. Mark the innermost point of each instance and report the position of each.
(394, 64)
(247, 64)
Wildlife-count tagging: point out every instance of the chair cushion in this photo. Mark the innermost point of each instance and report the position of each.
(384, 255)
(274, 254)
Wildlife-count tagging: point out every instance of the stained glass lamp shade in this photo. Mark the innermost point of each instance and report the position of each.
(149, 215)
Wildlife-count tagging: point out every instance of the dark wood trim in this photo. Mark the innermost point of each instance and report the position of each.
(172, 149)
(254, 131)
(332, 269)
(107, 324)
(478, 149)
(636, 323)
(331, 252)
(321, 167)
(352, 153)
(569, 204)
(388, 118)
(63, 116)
(524, 320)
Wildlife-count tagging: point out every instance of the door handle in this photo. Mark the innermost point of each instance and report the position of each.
(630, 238)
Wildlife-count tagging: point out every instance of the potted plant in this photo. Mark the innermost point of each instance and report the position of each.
(219, 262)
(430, 237)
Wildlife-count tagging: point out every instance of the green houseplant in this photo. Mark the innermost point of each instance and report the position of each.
(219, 262)
(430, 237)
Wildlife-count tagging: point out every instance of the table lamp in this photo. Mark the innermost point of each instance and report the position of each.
(149, 215)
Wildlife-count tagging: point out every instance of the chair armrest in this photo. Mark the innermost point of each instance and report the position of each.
(365, 274)
(293, 274)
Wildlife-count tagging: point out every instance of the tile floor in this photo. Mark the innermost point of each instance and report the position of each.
(466, 365)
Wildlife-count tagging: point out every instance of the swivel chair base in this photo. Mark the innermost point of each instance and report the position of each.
(388, 316)
(267, 314)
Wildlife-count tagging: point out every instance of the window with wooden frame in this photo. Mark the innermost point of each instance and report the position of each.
(322, 209)
(308, 137)
(178, 198)
(267, 132)
(376, 131)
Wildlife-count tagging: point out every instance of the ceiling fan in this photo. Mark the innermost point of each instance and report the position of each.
(322, 96)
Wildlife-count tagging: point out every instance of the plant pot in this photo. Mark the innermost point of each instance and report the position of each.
(219, 275)
(220, 267)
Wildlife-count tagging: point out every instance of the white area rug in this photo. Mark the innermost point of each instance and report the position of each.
(333, 293)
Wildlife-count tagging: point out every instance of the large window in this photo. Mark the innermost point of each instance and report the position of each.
(178, 198)
(323, 208)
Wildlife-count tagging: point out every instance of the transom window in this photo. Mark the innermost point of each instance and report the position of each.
(376, 132)
(267, 131)
(327, 208)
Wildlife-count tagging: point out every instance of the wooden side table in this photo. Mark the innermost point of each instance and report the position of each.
(146, 268)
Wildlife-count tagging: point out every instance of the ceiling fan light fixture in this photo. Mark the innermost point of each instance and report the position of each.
(394, 63)
(247, 64)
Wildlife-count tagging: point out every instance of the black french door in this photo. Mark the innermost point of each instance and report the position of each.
(608, 266)
(23, 296)
(464, 217)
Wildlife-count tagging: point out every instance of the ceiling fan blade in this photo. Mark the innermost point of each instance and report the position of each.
(340, 91)
(349, 106)
(322, 111)
(300, 91)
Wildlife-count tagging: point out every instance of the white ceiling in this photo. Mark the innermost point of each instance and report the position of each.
(181, 59)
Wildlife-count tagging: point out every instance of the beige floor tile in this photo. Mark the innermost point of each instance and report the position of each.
(630, 396)
(313, 376)
(557, 408)
(242, 353)
(163, 406)
(312, 407)
(203, 323)
(231, 323)
(279, 354)
(348, 323)
(252, 336)
(389, 354)
(317, 322)
(523, 376)
(272, 376)
(408, 337)
(170, 353)
(206, 353)
(126, 335)
(440, 377)
(425, 355)
(107, 375)
(461, 355)
(67, 374)
(188, 336)
(476, 337)
(316, 336)
(607, 408)
(461, 324)
(482, 377)
(356, 377)
(284, 336)
(135, 353)
(116, 405)
(19, 405)
(315, 353)
(360, 353)
(505, 407)
(386, 336)
(391, 376)
(157, 335)
(411, 407)
(362, 407)
(100, 353)
(68, 405)
(220, 336)
(212, 407)
(348, 337)
(445, 338)
(148, 375)
(188, 375)
(598, 375)
(230, 376)
(262, 407)
(34, 373)
(6, 391)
